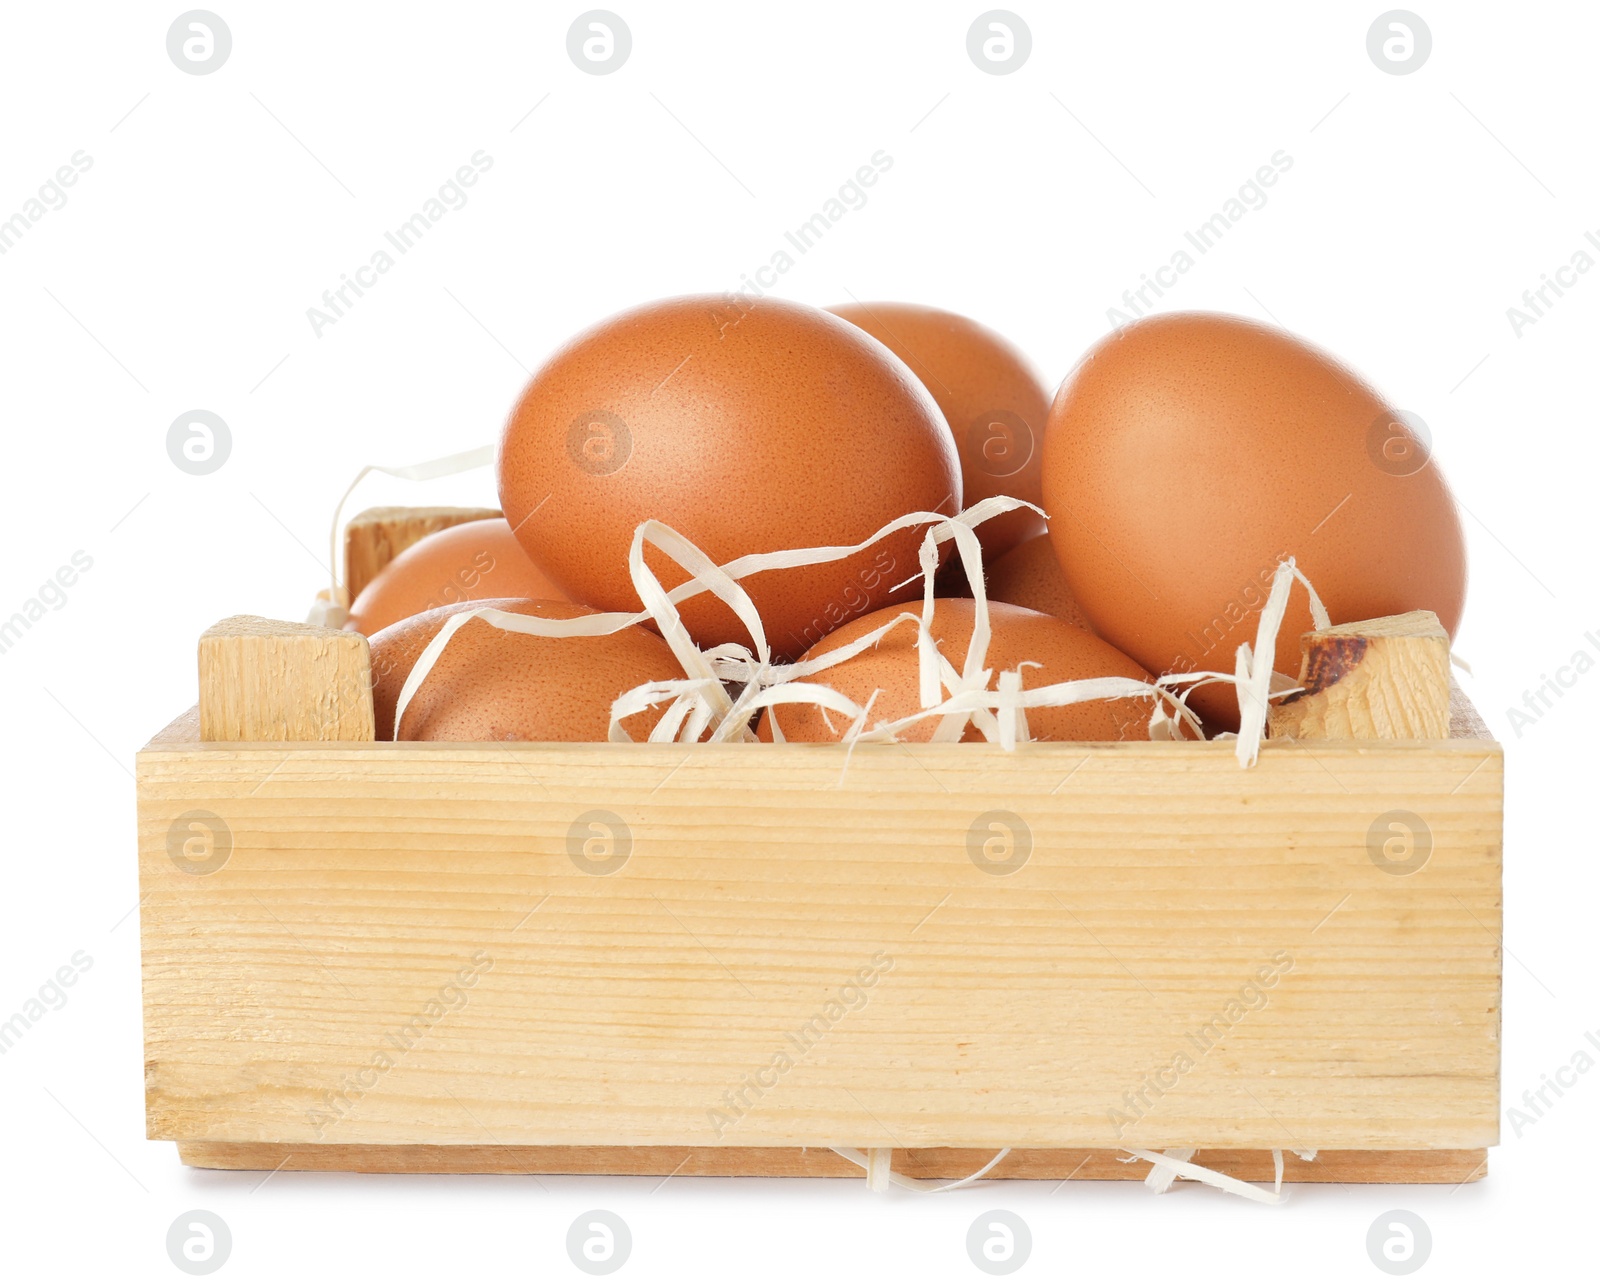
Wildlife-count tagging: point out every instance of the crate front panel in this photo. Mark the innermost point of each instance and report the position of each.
(801, 949)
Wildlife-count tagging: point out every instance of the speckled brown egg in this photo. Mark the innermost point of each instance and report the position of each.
(991, 397)
(479, 560)
(747, 426)
(1190, 452)
(1030, 576)
(1063, 652)
(491, 685)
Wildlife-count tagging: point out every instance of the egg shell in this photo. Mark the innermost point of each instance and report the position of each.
(478, 560)
(749, 427)
(493, 685)
(991, 397)
(1189, 452)
(1030, 576)
(1063, 652)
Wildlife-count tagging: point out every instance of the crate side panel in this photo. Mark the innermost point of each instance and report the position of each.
(402, 948)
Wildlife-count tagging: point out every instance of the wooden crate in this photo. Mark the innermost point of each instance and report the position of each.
(723, 960)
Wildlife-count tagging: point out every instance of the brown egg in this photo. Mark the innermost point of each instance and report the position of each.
(1063, 652)
(1030, 576)
(990, 395)
(480, 560)
(1190, 452)
(491, 685)
(747, 426)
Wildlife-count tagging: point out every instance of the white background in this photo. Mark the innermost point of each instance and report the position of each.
(217, 210)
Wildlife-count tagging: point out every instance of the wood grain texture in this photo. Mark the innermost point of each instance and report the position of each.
(264, 680)
(288, 994)
(1464, 718)
(1385, 678)
(350, 984)
(184, 729)
(1439, 1166)
(375, 536)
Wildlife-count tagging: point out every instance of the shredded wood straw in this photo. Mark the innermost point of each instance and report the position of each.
(332, 607)
(727, 685)
(700, 707)
(1174, 1164)
(1161, 1176)
(875, 1162)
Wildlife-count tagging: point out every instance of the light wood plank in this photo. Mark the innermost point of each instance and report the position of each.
(1444, 1166)
(183, 730)
(1385, 678)
(626, 1009)
(264, 680)
(1464, 718)
(635, 1026)
(375, 536)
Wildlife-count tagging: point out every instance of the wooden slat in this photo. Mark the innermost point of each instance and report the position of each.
(626, 1009)
(183, 730)
(263, 680)
(1464, 718)
(1385, 678)
(375, 536)
(595, 1029)
(1441, 1166)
